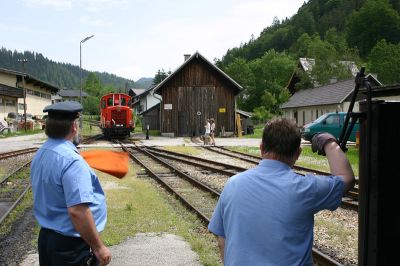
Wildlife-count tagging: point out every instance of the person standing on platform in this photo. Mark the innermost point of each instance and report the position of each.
(212, 131)
(207, 127)
(265, 215)
(69, 203)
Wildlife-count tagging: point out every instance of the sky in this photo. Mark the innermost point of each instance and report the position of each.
(135, 38)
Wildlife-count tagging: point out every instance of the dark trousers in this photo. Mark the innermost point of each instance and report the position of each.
(59, 250)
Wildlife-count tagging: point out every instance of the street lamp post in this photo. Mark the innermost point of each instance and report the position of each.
(80, 67)
(23, 61)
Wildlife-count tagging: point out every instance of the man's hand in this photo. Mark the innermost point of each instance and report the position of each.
(319, 141)
(103, 255)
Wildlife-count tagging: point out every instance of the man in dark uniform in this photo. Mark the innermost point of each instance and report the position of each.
(69, 203)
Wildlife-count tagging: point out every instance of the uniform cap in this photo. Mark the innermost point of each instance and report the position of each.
(64, 110)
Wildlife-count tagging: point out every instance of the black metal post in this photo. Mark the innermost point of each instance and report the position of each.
(379, 181)
(23, 61)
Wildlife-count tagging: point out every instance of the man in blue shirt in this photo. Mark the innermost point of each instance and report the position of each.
(265, 215)
(69, 203)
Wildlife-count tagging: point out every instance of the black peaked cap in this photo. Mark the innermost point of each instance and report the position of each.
(64, 110)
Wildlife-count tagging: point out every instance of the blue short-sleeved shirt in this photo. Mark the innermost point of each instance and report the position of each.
(266, 214)
(60, 179)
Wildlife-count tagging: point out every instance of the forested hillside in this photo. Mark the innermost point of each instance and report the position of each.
(59, 74)
(366, 32)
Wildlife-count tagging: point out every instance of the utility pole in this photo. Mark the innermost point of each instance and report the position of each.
(23, 61)
(80, 74)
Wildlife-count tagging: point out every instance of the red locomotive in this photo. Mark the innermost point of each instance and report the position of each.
(116, 119)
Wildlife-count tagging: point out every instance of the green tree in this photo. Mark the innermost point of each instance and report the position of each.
(384, 60)
(376, 20)
(240, 71)
(271, 74)
(91, 105)
(160, 76)
(300, 46)
(93, 85)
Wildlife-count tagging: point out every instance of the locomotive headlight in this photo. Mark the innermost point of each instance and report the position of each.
(306, 130)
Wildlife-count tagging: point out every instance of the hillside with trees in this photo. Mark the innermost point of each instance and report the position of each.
(332, 32)
(62, 75)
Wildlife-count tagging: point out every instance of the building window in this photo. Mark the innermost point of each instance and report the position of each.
(304, 118)
(45, 95)
(20, 106)
(312, 115)
(316, 113)
(10, 103)
(1, 101)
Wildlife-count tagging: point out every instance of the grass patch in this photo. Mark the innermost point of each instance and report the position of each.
(21, 133)
(309, 159)
(152, 132)
(318, 162)
(89, 130)
(189, 150)
(140, 206)
(258, 129)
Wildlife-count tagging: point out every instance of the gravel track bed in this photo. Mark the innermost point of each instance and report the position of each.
(15, 245)
(210, 155)
(213, 180)
(337, 232)
(10, 165)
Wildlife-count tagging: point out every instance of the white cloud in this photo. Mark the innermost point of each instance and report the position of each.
(57, 4)
(99, 5)
(90, 21)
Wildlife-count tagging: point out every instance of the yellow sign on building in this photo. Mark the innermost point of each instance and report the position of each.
(222, 110)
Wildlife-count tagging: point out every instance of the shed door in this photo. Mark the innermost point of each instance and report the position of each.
(182, 124)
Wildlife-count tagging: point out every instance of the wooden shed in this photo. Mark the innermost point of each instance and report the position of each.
(151, 118)
(197, 90)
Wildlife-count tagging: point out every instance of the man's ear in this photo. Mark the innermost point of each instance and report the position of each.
(74, 126)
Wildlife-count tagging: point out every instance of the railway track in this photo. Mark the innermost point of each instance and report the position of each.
(91, 139)
(197, 196)
(10, 154)
(350, 200)
(12, 190)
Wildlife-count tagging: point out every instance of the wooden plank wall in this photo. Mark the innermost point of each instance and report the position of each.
(152, 118)
(197, 88)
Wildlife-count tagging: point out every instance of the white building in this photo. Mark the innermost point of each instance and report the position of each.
(38, 93)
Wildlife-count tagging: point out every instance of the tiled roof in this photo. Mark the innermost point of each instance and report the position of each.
(329, 94)
(72, 93)
(137, 91)
(244, 113)
(31, 79)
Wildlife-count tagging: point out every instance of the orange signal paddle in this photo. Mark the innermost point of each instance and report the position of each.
(110, 162)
